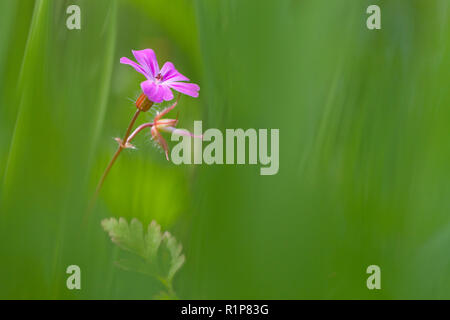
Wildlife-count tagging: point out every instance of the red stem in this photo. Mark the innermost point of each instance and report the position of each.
(113, 160)
(137, 130)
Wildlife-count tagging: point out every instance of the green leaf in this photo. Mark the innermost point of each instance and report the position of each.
(177, 259)
(153, 240)
(128, 237)
(147, 247)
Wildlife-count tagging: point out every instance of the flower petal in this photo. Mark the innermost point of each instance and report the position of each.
(167, 93)
(191, 89)
(169, 73)
(138, 68)
(153, 91)
(147, 60)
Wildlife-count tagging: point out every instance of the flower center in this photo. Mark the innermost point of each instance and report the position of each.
(159, 77)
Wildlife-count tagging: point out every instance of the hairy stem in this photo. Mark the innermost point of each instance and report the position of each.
(114, 158)
(137, 130)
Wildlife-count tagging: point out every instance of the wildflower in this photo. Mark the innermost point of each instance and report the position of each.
(159, 83)
(156, 89)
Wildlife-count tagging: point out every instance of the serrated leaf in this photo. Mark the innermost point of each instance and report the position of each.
(153, 240)
(128, 237)
(147, 247)
(176, 258)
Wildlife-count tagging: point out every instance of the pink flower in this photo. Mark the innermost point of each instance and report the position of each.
(159, 83)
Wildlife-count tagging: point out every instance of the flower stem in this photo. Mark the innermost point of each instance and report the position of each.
(168, 285)
(137, 130)
(113, 160)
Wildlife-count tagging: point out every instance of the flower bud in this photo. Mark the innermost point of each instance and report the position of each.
(143, 103)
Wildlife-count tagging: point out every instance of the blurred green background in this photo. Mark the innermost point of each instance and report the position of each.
(364, 147)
